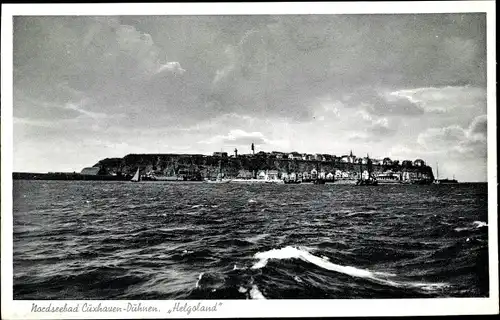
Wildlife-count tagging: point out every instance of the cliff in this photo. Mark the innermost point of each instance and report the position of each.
(197, 166)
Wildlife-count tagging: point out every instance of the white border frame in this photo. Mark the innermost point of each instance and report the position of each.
(19, 309)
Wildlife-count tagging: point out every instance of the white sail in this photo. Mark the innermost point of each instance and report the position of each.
(136, 176)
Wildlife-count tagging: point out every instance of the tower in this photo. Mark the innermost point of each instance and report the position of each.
(253, 148)
(235, 152)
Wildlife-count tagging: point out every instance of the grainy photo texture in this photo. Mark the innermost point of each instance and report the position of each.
(209, 157)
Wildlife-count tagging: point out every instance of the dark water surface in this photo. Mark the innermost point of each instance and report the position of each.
(122, 240)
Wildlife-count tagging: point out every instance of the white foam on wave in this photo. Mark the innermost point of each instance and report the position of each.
(480, 224)
(257, 238)
(242, 290)
(476, 224)
(252, 201)
(256, 294)
(199, 278)
(290, 252)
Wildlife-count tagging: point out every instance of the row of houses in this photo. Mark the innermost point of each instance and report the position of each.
(350, 158)
(332, 175)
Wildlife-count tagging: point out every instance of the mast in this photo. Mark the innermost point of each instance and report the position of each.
(437, 170)
(220, 168)
(360, 169)
(369, 166)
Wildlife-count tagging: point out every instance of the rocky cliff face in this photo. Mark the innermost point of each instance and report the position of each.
(201, 166)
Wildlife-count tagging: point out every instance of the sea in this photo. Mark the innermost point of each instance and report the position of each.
(192, 240)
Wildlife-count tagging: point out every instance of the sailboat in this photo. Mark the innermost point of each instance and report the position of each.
(370, 180)
(437, 174)
(136, 177)
(220, 177)
(318, 179)
(443, 181)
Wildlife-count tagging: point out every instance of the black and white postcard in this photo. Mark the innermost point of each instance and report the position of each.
(248, 160)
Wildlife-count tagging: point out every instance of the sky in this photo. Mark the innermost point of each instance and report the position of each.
(403, 86)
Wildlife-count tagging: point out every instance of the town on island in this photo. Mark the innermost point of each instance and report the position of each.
(253, 167)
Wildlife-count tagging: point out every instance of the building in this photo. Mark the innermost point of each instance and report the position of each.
(277, 154)
(307, 157)
(261, 175)
(319, 157)
(306, 175)
(295, 156)
(314, 174)
(407, 163)
(419, 163)
(90, 171)
(220, 154)
(348, 158)
(328, 157)
(272, 175)
(387, 162)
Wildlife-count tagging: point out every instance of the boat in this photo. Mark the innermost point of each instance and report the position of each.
(443, 181)
(350, 181)
(168, 178)
(220, 177)
(447, 181)
(389, 178)
(370, 179)
(136, 177)
(243, 180)
(218, 181)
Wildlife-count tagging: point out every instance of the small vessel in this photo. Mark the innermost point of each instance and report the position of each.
(443, 181)
(136, 177)
(319, 181)
(220, 177)
(370, 179)
(389, 178)
(349, 181)
(244, 180)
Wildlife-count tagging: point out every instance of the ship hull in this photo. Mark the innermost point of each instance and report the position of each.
(256, 181)
(346, 181)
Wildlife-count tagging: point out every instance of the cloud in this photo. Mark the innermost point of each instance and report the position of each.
(457, 141)
(384, 104)
(479, 126)
(237, 137)
(445, 99)
(174, 67)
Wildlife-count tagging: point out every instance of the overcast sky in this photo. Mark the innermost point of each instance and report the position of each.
(403, 86)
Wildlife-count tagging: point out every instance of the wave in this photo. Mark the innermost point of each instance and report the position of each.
(291, 252)
(480, 224)
(256, 294)
(257, 238)
(475, 225)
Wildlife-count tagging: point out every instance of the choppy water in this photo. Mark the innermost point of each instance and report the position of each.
(119, 240)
